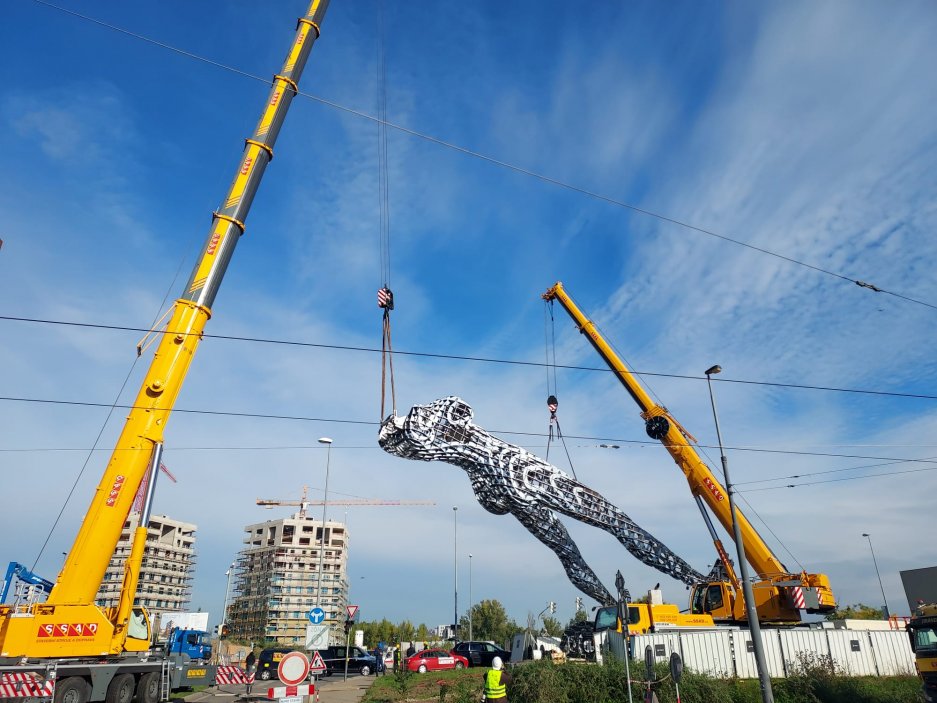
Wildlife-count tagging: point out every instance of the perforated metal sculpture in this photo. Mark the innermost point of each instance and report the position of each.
(509, 479)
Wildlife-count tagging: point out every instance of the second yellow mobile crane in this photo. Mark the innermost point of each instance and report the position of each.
(780, 595)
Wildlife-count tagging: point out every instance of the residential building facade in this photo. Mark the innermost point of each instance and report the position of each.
(278, 580)
(165, 584)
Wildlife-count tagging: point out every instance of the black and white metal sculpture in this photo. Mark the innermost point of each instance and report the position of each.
(509, 479)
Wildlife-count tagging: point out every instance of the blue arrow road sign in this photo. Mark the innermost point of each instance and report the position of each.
(316, 616)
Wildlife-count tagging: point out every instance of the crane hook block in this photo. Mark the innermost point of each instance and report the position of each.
(385, 298)
(552, 403)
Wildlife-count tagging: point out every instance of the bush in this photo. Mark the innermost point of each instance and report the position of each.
(812, 680)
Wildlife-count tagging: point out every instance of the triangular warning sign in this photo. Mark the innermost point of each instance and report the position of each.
(351, 610)
(316, 664)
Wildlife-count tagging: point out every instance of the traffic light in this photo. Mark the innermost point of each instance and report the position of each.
(348, 624)
(225, 630)
(552, 607)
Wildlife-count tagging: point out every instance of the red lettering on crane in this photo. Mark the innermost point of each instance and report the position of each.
(247, 165)
(212, 244)
(713, 489)
(276, 98)
(115, 490)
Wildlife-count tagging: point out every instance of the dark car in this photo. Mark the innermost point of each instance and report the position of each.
(358, 660)
(269, 660)
(480, 653)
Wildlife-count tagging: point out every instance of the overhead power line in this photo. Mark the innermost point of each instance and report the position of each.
(501, 163)
(305, 418)
(839, 480)
(481, 359)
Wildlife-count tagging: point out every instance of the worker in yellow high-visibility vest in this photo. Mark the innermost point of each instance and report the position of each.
(496, 682)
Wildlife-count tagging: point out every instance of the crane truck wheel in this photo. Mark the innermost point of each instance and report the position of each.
(148, 688)
(73, 689)
(120, 689)
(265, 675)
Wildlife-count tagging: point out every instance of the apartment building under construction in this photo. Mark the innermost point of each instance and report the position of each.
(166, 573)
(278, 579)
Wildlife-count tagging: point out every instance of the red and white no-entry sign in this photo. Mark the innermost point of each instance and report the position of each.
(293, 668)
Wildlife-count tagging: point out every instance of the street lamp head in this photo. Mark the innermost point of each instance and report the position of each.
(865, 534)
(713, 370)
(325, 440)
(454, 508)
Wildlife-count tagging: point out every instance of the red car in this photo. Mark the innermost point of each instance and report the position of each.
(435, 660)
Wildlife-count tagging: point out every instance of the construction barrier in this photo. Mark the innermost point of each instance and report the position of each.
(306, 689)
(25, 685)
(729, 652)
(232, 674)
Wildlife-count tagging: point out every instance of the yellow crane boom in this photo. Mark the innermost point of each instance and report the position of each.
(704, 486)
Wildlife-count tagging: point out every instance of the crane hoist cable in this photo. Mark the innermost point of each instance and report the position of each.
(385, 300)
(385, 297)
(552, 402)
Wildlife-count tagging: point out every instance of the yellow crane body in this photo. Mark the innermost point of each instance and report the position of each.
(722, 599)
(69, 624)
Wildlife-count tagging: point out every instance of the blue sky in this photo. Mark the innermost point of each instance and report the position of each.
(800, 128)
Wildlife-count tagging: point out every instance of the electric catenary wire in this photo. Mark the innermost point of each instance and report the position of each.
(482, 359)
(306, 418)
(504, 164)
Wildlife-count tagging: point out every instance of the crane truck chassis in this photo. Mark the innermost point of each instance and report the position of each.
(67, 647)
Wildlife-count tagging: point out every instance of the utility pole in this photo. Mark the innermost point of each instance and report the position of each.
(767, 695)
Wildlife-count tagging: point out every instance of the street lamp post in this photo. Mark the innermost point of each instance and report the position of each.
(227, 590)
(884, 599)
(470, 599)
(325, 498)
(455, 569)
(767, 695)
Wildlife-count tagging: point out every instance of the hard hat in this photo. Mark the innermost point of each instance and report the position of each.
(496, 663)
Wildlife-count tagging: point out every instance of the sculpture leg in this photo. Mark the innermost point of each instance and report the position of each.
(545, 526)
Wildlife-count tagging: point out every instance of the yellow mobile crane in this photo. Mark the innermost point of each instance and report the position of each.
(89, 650)
(922, 629)
(779, 594)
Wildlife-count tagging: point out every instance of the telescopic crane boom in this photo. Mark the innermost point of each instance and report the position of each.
(71, 603)
(779, 594)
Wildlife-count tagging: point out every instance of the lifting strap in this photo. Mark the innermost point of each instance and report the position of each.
(385, 300)
(552, 405)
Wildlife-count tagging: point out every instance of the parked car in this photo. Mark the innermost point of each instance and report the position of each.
(269, 660)
(435, 660)
(480, 653)
(358, 660)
